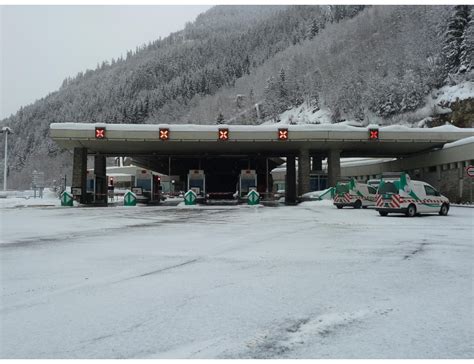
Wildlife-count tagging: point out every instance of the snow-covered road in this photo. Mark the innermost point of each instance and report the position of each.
(235, 282)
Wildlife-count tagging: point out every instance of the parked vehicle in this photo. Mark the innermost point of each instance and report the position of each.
(397, 193)
(349, 192)
(374, 182)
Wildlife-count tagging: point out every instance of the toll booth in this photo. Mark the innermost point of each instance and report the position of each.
(247, 182)
(90, 187)
(97, 188)
(197, 182)
(147, 186)
(143, 184)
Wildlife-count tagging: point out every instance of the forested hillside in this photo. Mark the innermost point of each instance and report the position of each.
(248, 64)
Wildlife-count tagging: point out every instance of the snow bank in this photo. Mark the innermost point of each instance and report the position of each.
(26, 198)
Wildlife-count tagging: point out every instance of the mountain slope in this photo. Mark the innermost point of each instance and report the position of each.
(364, 64)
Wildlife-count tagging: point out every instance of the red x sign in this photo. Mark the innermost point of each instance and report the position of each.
(99, 133)
(223, 134)
(164, 134)
(283, 134)
(373, 134)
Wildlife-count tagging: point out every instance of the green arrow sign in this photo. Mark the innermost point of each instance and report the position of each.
(129, 199)
(66, 199)
(190, 198)
(253, 198)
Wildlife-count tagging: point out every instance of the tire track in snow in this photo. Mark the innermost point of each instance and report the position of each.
(279, 340)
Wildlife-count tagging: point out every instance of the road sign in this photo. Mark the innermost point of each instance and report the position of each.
(253, 198)
(223, 134)
(66, 199)
(129, 199)
(37, 179)
(470, 171)
(190, 198)
(99, 133)
(137, 190)
(374, 134)
(164, 134)
(282, 134)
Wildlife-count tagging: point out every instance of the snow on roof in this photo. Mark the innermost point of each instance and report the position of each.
(464, 141)
(250, 128)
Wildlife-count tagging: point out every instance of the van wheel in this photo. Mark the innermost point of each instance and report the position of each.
(444, 210)
(358, 204)
(411, 211)
(364, 207)
(339, 206)
(383, 213)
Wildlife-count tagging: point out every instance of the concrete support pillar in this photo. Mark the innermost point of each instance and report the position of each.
(79, 174)
(290, 182)
(100, 180)
(317, 164)
(304, 167)
(334, 167)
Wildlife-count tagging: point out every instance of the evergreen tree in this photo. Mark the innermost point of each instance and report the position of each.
(313, 29)
(271, 98)
(454, 38)
(220, 119)
(246, 65)
(467, 44)
(283, 92)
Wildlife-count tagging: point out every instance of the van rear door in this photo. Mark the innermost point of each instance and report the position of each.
(386, 190)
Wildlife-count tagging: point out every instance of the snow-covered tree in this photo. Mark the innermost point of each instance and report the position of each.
(454, 36)
(467, 44)
(313, 29)
(220, 119)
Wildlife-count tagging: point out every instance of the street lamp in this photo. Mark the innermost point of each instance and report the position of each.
(5, 130)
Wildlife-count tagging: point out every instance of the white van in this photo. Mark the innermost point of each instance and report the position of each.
(397, 193)
(351, 193)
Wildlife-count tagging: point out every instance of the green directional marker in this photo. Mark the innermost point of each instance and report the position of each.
(190, 198)
(66, 199)
(129, 199)
(253, 198)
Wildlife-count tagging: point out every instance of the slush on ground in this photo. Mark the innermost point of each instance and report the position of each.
(308, 281)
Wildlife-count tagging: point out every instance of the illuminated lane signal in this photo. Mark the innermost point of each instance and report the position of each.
(374, 134)
(111, 181)
(164, 134)
(223, 134)
(100, 133)
(282, 134)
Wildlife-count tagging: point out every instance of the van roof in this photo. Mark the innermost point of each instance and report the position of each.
(391, 174)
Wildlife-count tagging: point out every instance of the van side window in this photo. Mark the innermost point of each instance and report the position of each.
(372, 190)
(430, 191)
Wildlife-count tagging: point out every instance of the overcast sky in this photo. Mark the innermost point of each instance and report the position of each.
(42, 45)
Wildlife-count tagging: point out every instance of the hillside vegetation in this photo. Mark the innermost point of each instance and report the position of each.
(249, 64)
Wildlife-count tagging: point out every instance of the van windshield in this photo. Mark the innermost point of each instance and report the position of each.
(388, 187)
(342, 188)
